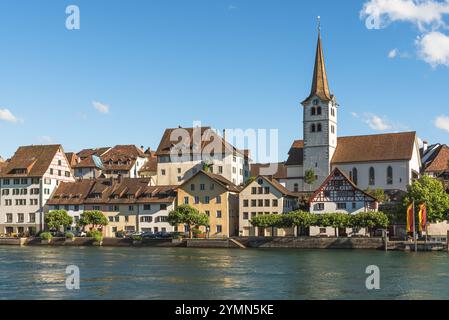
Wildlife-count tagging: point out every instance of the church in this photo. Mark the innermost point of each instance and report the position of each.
(387, 161)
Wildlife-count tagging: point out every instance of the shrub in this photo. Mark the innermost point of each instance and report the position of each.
(46, 236)
(96, 235)
(137, 238)
(69, 235)
(197, 232)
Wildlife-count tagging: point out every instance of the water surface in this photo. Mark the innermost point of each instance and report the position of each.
(180, 273)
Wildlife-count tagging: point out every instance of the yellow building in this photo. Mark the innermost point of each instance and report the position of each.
(215, 196)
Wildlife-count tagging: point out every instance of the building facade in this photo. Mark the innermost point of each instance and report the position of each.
(26, 184)
(216, 197)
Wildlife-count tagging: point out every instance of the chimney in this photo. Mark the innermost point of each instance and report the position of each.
(224, 134)
(425, 146)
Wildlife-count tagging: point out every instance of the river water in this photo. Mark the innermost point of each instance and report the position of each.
(227, 274)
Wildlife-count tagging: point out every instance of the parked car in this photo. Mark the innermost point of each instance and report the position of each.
(163, 235)
(148, 235)
(120, 234)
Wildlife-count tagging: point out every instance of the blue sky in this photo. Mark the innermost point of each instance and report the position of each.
(229, 64)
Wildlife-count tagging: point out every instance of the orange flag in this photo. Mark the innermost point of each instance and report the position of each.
(422, 217)
(410, 217)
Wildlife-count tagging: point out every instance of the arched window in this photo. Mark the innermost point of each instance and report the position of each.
(296, 187)
(389, 175)
(319, 128)
(354, 175)
(313, 128)
(312, 112)
(318, 111)
(372, 176)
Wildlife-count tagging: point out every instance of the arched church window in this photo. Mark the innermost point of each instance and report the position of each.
(354, 174)
(296, 187)
(313, 128)
(318, 111)
(372, 176)
(312, 112)
(389, 175)
(319, 127)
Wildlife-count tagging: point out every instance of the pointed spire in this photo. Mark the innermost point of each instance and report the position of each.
(320, 86)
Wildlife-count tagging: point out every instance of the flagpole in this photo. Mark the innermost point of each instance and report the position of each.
(414, 228)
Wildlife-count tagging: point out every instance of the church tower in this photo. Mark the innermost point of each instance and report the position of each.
(319, 122)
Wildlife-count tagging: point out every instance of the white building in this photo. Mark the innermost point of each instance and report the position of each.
(183, 152)
(387, 161)
(338, 194)
(26, 183)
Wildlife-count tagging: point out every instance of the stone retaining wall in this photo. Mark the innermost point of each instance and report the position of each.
(313, 243)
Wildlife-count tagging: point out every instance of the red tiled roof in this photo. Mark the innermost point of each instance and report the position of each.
(440, 162)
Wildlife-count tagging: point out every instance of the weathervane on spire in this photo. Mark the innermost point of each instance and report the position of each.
(319, 23)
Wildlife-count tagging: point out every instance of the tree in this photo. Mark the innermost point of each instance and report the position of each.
(94, 218)
(430, 191)
(310, 178)
(58, 218)
(338, 221)
(370, 220)
(188, 215)
(300, 219)
(267, 221)
(378, 194)
(250, 180)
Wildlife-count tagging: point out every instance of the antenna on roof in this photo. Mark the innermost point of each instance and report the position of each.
(319, 23)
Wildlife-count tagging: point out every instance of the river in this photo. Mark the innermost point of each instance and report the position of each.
(200, 274)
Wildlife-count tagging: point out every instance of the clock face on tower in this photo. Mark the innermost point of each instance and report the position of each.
(315, 102)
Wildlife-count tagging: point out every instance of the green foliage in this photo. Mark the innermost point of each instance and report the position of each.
(267, 221)
(69, 235)
(370, 220)
(94, 218)
(310, 177)
(395, 213)
(197, 232)
(250, 180)
(430, 191)
(96, 235)
(378, 194)
(58, 218)
(137, 237)
(46, 236)
(188, 215)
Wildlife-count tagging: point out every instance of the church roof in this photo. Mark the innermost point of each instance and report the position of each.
(440, 162)
(320, 85)
(370, 148)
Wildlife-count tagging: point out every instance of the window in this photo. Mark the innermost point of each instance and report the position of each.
(51, 171)
(192, 187)
(46, 191)
(318, 207)
(126, 218)
(354, 175)
(260, 190)
(245, 216)
(220, 169)
(59, 163)
(296, 188)
(206, 199)
(67, 174)
(332, 129)
(186, 200)
(322, 230)
(146, 219)
(163, 207)
(59, 172)
(319, 127)
(313, 128)
(354, 205)
(275, 203)
(20, 218)
(219, 229)
(111, 219)
(260, 203)
(318, 111)
(179, 178)
(35, 181)
(253, 203)
(212, 186)
(130, 208)
(16, 181)
(147, 207)
(267, 203)
(218, 199)
(9, 218)
(8, 202)
(163, 172)
(246, 203)
(267, 190)
(117, 218)
(341, 206)
(218, 214)
(5, 192)
(253, 190)
(6, 182)
(197, 200)
(32, 217)
(24, 181)
(313, 111)
(389, 175)
(372, 176)
(179, 170)
(202, 187)
(33, 202)
(96, 208)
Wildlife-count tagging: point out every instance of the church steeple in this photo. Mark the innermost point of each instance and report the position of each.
(320, 85)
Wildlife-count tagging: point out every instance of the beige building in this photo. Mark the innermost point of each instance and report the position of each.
(183, 152)
(216, 197)
(26, 184)
(264, 196)
(129, 205)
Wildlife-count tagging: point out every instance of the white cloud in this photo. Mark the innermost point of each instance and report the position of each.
(433, 48)
(355, 115)
(442, 122)
(377, 123)
(420, 12)
(393, 53)
(45, 139)
(101, 107)
(7, 115)
(232, 7)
